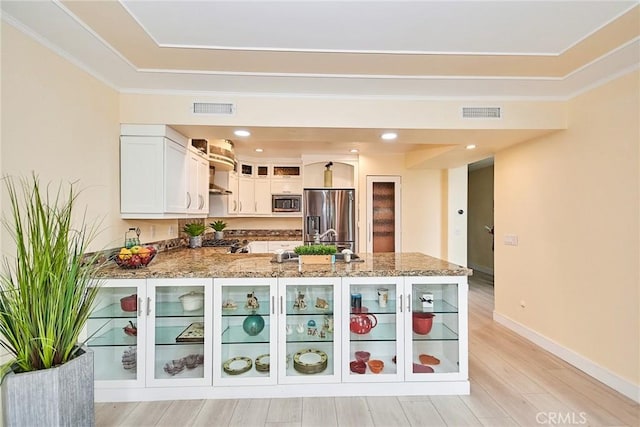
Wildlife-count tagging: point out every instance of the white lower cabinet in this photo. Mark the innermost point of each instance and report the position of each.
(440, 351)
(167, 341)
(118, 356)
(179, 341)
(217, 338)
(373, 329)
(245, 331)
(405, 329)
(309, 344)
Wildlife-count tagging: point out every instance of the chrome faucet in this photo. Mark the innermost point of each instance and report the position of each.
(317, 236)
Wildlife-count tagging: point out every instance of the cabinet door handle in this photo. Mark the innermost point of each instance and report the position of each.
(240, 203)
(400, 298)
(201, 201)
(235, 205)
(273, 305)
(148, 306)
(139, 307)
(188, 199)
(281, 304)
(408, 303)
(255, 206)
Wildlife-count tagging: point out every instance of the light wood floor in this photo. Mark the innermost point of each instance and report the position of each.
(513, 382)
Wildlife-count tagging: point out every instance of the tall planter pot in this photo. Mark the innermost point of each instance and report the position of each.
(61, 396)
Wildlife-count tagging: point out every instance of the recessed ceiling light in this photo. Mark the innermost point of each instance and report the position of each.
(471, 146)
(242, 132)
(353, 150)
(259, 150)
(389, 136)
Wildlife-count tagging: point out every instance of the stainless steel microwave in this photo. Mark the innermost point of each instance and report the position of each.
(286, 203)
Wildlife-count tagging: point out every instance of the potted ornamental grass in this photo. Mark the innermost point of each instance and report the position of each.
(47, 293)
(316, 254)
(218, 226)
(195, 230)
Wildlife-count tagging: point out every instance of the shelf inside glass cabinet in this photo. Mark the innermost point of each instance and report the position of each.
(166, 335)
(112, 337)
(381, 332)
(439, 306)
(372, 306)
(439, 331)
(263, 310)
(174, 309)
(112, 311)
(237, 335)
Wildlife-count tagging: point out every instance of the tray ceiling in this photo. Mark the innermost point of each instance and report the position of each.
(392, 49)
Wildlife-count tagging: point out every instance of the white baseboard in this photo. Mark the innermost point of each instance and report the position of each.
(621, 385)
(481, 268)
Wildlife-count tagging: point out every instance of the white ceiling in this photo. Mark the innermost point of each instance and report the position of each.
(392, 49)
(498, 27)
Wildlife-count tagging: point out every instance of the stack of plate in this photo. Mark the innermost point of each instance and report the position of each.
(262, 363)
(310, 361)
(237, 365)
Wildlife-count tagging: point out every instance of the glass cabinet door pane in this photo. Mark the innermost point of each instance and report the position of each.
(179, 332)
(309, 330)
(373, 330)
(112, 334)
(434, 321)
(245, 327)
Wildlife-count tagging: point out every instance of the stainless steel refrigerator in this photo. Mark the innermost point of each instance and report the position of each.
(330, 208)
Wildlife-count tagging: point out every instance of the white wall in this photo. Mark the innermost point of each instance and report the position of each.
(457, 215)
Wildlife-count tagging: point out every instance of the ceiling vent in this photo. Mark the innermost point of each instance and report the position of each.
(481, 113)
(213, 108)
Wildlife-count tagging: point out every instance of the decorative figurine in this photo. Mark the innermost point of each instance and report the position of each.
(322, 304)
(252, 301)
(327, 325)
(229, 305)
(300, 303)
(312, 330)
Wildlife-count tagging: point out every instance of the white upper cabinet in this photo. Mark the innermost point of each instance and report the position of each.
(153, 172)
(198, 188)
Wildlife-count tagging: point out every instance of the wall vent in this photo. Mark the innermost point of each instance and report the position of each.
(213, 108)
(481, 113)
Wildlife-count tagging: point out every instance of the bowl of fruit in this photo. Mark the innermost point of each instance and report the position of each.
(135, 256)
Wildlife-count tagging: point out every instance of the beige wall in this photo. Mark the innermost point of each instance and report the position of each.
(480, 255)
(421, 199)
(64, 124)
(573, 201)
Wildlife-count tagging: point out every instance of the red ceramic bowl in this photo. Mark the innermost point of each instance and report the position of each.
(358, 367)
(422, 322)
(422, 369)
(362, 356)
(129, 303)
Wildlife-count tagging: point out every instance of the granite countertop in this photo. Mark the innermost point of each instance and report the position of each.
(205, 262)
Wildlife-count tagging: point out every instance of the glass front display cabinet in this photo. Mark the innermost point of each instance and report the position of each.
(245, 328)
(179, 322)
(309, 347)
(374, 329)
(115, 333)
(435, 331)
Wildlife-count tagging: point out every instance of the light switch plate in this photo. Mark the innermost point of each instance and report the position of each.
(510, 239)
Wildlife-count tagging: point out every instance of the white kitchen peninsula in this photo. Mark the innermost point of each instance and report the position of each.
(212, 325)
